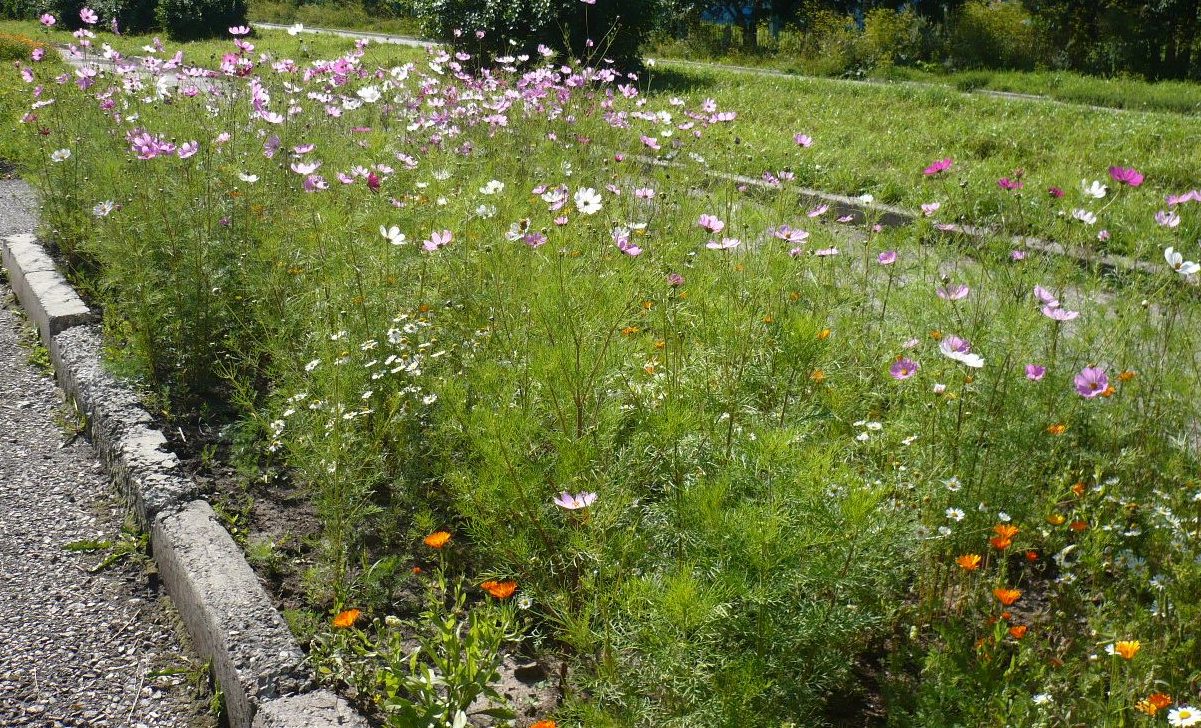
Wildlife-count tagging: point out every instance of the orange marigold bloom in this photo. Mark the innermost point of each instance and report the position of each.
(1031, 556)
(1153, 703)
(818, 376)
(768, 319)
(499, 589)
(1125, 376)
(346, 620)
(936, 334)
(1078, 526)
(1056, 519)
(1127, 648)
(1078, 488)
(1000, 543)
(1007, 596)
(969, 562)
(629, 330)
(437, 539)
(1057, 429)
(416, 570)
(1006, 530)
(823, 334)
(1108, 391)
(794, 296)
(1018, 631)
(544, 724)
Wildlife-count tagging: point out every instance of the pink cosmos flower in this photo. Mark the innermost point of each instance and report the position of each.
(315, 182)
(903, 369)
(888, 257)
(1035, 373)
(651, 142)
(1056, 313)
(1017, 255)
(1010, 184)
(790, 235)
(437, 239)
(675, 280)
(188, 149)
(304, 167)
(930, 208)
(1103, 236)
(583, 499)
(725, 244)
(644, 193)
(1055, 192)
(940, 165)
(47, 20)
(1168, 219)
(239, 30)
(952, 291)
(711, 223)
(818, 211)
(1091, 382)
(1126, 175)
(846, 218)
(87, 15)
(803, 140)
(826, 252)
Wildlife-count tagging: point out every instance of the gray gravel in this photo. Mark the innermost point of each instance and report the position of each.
(75, 648)
(17, 208)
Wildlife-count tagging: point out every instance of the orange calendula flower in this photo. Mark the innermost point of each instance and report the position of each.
(415, 570)
(1153, 703)
(968, 562)
(1006, 530)
(1032, 556)
(1078, 488)
(437, 539)
(346, 620)
(1125, 376)
(544, 724)
(627, 331)
(1006, 596)
(768, 319)
(1056, 519)
(1078, 526)
(1000, 543)
(1127, 648)
(1018, 631)
(818, 376)
(499, 589)
(1057, 429)
(936, 334)
(823, 334)
(1108, 391)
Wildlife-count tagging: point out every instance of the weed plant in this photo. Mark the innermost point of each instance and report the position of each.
(730, 458)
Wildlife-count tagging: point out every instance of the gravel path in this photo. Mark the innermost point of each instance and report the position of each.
(75, 648)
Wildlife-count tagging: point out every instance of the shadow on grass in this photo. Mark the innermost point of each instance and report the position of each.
(671, 80)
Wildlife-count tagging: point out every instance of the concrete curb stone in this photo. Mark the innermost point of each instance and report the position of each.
(50, 302)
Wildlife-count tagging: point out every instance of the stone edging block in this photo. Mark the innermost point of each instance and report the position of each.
(260, 668)
(49, 301)
(226, 610)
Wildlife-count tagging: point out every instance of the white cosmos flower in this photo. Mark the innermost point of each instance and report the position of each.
(393, 235)
(248, 178)
(966, 358)
(587, 201)
(1085, 217)
(102, 209)
(492, 188)
(1177, 262)
(370, 94)
(1096, 190)
(294, 29)
(60, 155)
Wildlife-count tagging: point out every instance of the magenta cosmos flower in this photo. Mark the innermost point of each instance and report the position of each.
(575, 502)
(1035, 373)
(1010, 184)
(1126, 175)
(903, 369)
(888, 257)
(941, 165)
(1091, 382)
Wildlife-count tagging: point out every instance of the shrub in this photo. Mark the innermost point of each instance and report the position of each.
(825, 45)
(993, 34)
(617, 28)
(16, 9)
(131, 16)
(192, 19)
(16, 47)
(892, 37)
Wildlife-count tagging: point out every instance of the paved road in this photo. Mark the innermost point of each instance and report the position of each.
(377, 37)
(76, 649)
